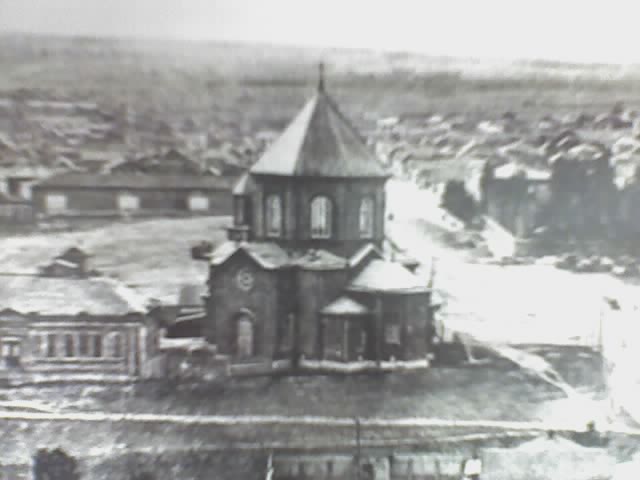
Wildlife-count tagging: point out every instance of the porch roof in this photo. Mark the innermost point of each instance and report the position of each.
(345, 306)
(389, 277)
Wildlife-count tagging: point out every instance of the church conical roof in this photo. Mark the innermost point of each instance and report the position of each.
(320, 142)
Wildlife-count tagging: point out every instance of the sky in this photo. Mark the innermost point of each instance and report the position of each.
(569, 30)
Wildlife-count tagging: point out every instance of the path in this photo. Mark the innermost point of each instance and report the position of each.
(300, 421)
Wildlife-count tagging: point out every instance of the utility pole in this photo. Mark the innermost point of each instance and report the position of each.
(358, 448)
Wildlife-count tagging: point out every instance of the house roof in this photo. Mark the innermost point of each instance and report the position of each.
(244, 186)
(363, 252)
(513, 169)
(320, 141)
(345, 306)
(386, 276)
(316, 259)
(270, 256)
(191, 294)
(67, 296)
(136, 181)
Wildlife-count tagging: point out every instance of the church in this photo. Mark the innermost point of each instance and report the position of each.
(304, 276)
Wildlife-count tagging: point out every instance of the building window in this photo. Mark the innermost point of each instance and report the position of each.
(56, 202)
(128, 202)
(117, 345)
(239, 211)
(97, 346)
(321, 217)
(11, 351)
(83, 345)
(37, 343)
(198, 202)
(68, 345)
(274, 216)
(366, 217)
(362, 344)
(329, 468)
(286, 332)
(10, 348)
(245, 336)
(51, 345)
(392, 334)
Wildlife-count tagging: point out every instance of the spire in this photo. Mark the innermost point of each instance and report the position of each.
(321, 77)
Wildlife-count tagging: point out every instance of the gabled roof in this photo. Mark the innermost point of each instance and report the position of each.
(68, 296)
(345, 306)
(317, 259)
(386, 276)
(320, 142)
(268, 255)
(363, 253)
(244, 186)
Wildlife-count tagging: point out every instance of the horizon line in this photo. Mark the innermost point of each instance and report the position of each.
(552, 62)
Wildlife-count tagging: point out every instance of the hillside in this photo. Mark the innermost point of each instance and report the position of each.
(262, 86)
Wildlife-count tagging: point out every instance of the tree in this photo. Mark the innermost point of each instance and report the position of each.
(54, 465)
(458, 201)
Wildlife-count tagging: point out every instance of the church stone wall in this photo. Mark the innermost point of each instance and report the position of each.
(227, 299)
(316, 289)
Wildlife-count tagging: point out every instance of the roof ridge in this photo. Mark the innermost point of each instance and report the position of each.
(314, 111)
(344, 118)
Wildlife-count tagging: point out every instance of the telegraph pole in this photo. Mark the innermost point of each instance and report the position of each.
(358, 448)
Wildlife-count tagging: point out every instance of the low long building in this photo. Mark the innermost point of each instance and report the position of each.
(130, 194)
(72, 328)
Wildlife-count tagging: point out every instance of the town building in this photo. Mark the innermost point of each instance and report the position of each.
(15, 211)
(66, 324)
(165, 184)
(304, 277)
(515, 196)
(135, 195)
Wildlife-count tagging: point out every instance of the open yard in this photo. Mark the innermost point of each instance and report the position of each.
(153, 256)
(497, 391)
(494, 392)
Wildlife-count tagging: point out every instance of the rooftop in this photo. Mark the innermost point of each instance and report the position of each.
(67, 296)
(270, 256)
(137, 181)
(513, 169)
(345, 306)
(320, 141)
(386, 276)
(244, 186)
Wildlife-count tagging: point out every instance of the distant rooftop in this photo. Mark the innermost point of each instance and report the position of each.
(137, 181)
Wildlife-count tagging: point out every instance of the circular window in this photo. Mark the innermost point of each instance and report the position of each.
(244, 279)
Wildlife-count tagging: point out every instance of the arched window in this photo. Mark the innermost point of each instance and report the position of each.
(366, 217)
(245, 335)
(274, 216)
(321, 217)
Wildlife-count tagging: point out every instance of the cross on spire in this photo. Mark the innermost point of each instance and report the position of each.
(321, 76)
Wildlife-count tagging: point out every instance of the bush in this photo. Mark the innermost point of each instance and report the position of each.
(54, 465)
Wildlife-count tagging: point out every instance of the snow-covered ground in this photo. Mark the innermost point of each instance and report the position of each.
(522, 304)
